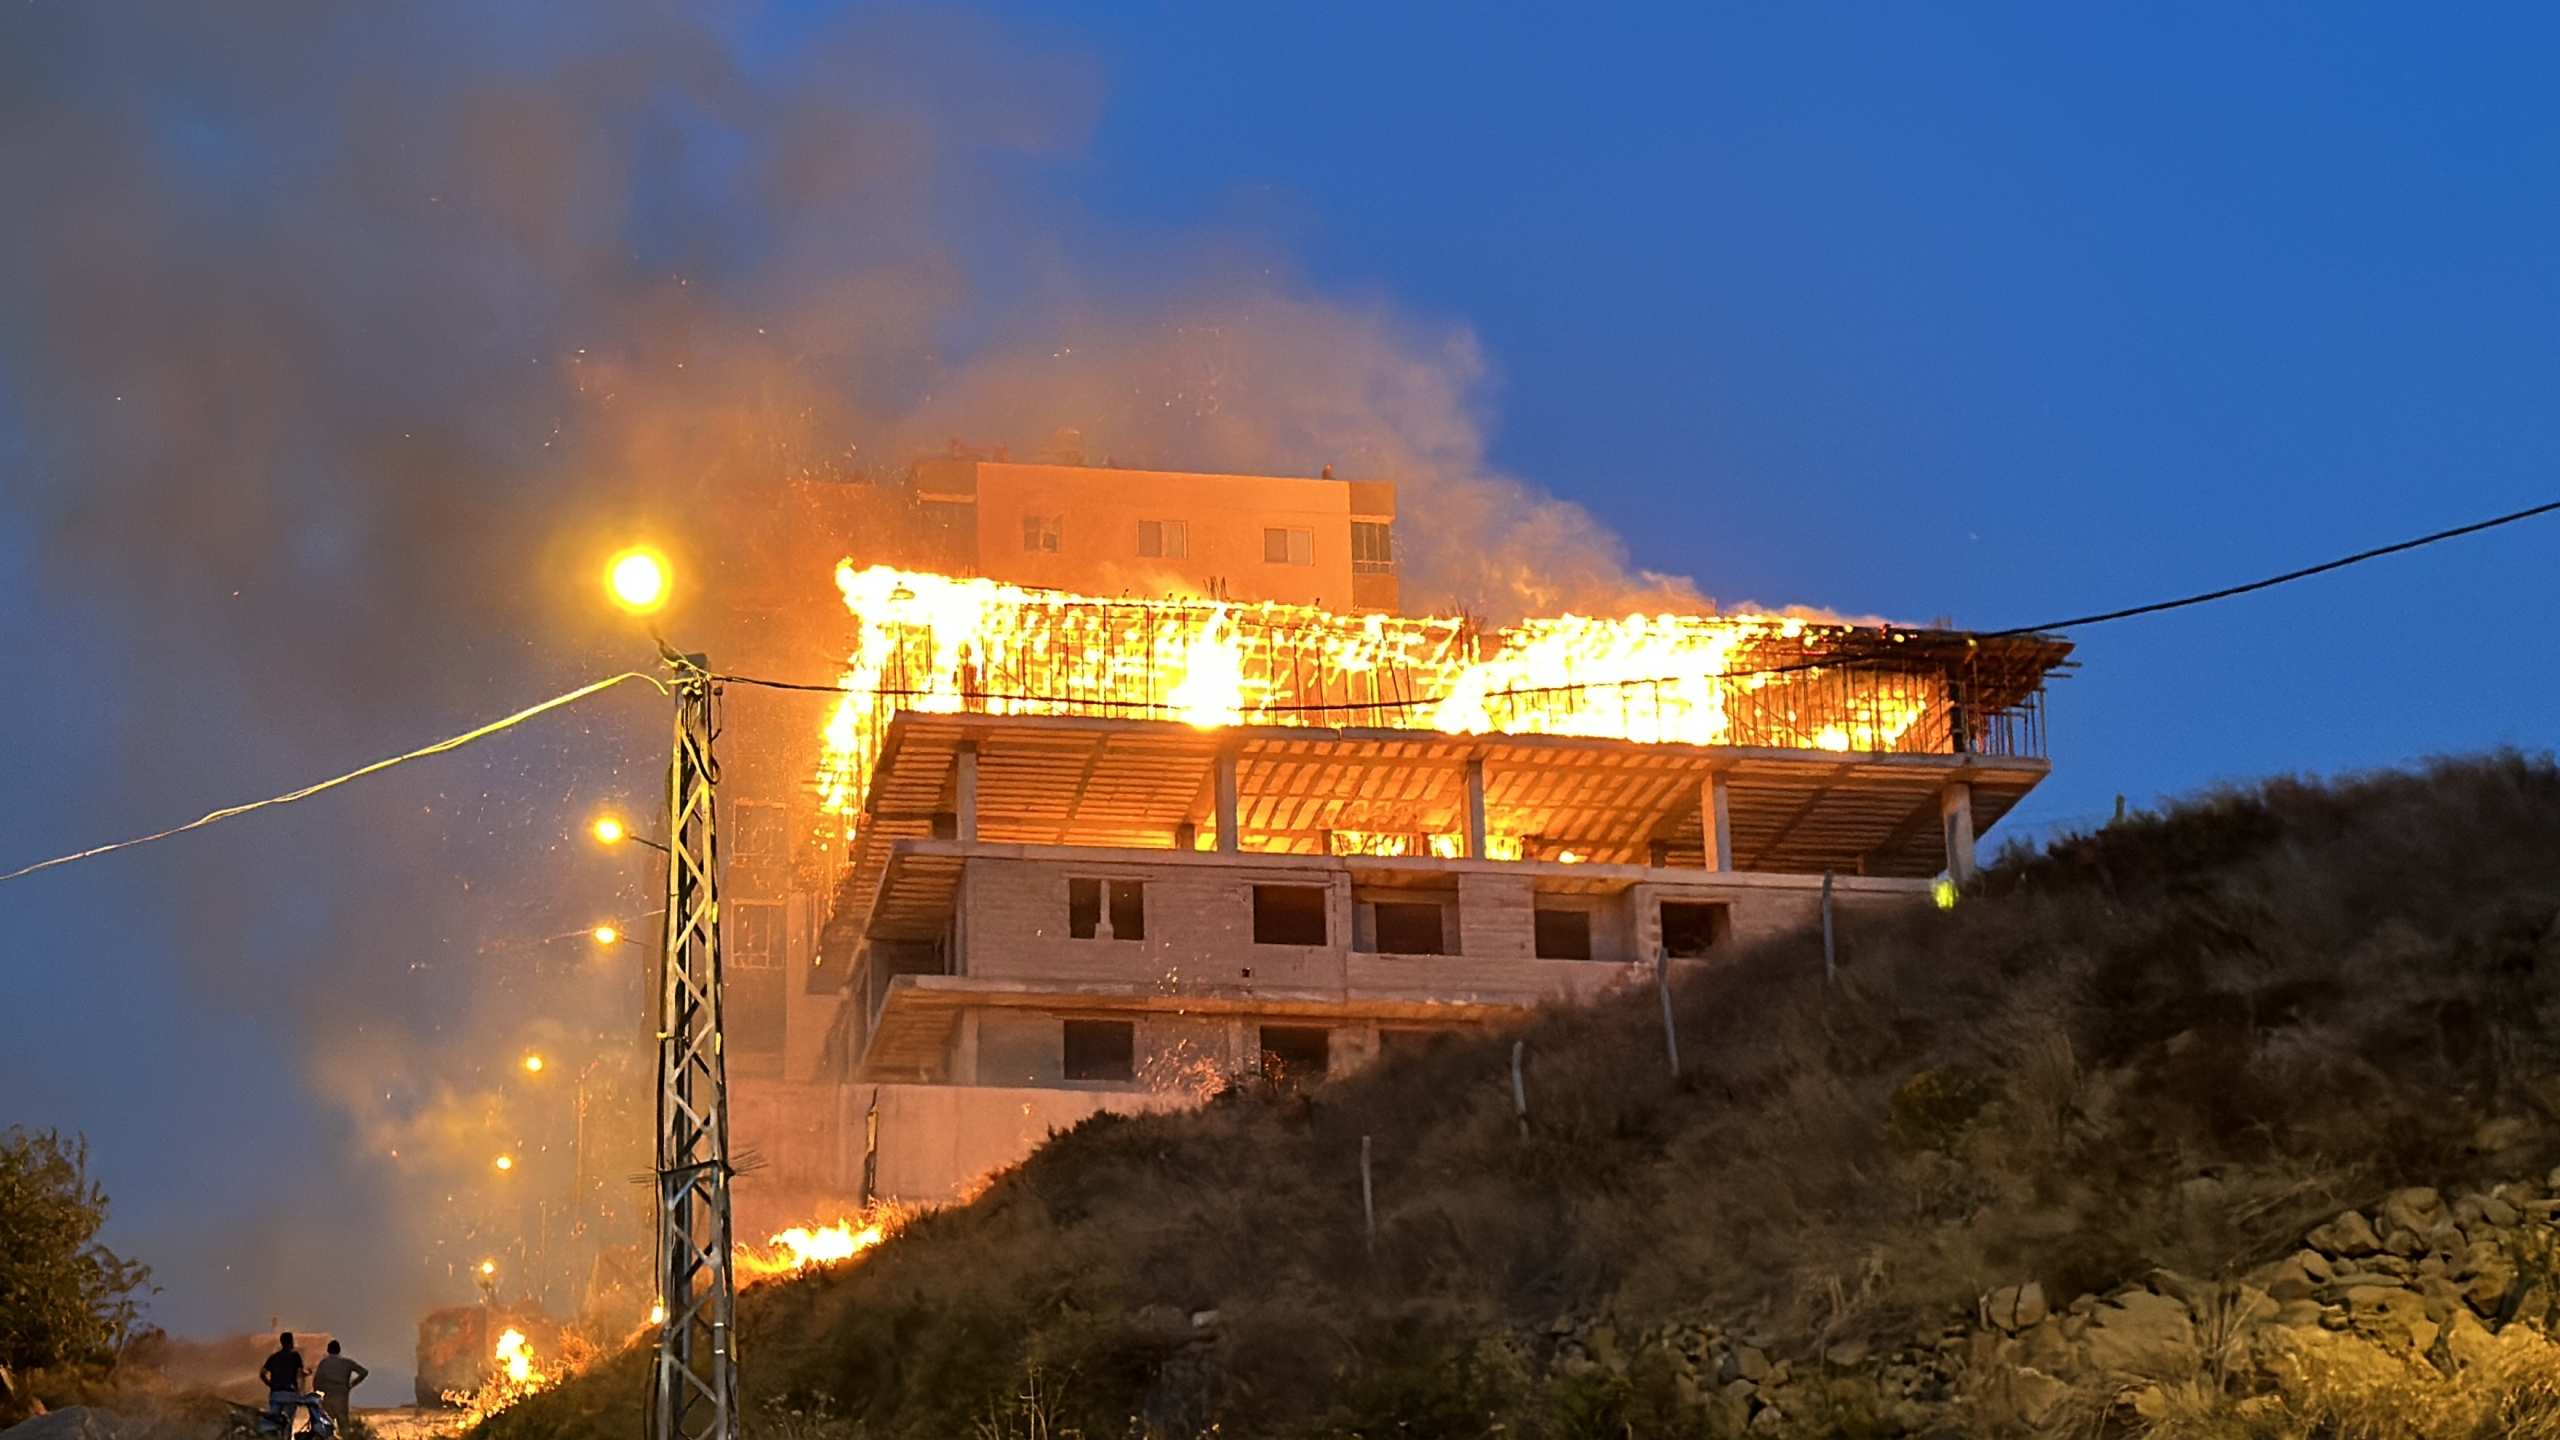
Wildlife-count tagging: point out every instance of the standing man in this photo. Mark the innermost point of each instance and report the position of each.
(283, 1376)
(336, 1379)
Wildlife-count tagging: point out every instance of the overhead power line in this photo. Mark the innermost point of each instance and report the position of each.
(440, 747)
(2272, 581)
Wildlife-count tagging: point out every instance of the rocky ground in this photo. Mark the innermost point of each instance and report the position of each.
(2420, 1306)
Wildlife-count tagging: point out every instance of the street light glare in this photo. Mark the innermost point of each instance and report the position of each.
(637, 579)
(609, 829)
(533, 1063)
(506, 1162)
(606, 934)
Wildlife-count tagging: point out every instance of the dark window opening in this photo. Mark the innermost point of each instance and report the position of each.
(1288, 915)
(1101, 1050)
(1373, 547)
(1084, 908)
(1289, 547)
(1294, 1054)
(1041, 532)
(1128, 909)
(1565, 934)
(1690, 929)
(1405, 928)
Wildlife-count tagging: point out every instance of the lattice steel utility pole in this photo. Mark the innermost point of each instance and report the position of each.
(695, 1387)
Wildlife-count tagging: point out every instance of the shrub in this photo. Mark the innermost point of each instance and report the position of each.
(64, 1298)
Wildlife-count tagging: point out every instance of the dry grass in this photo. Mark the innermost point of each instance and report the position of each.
(2175, 1043)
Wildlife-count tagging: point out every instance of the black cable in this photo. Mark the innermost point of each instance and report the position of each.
(2273, 580)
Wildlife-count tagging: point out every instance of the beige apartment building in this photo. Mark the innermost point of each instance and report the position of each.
(1037, 916)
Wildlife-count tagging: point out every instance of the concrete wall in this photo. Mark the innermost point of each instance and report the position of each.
(938, 1143)
(1199, 915)
(1199, 924)
(1224, 517)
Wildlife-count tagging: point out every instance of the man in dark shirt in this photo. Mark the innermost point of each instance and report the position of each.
(336, 1379)
(283, 1376)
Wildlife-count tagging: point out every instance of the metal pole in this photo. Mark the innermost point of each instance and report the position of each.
(1662, 982)
(1368, 1198)
(696, 1381)
(1519, 1087)
(1830, 952)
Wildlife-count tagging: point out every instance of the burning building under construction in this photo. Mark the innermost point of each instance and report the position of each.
(1140, 785)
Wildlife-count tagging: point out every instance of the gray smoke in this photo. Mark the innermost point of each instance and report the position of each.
(337, 342)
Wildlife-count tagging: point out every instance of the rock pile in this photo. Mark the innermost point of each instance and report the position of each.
(2419, 1282)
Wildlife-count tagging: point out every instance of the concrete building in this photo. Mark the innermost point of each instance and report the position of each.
(1155, 534)
(1036, 916)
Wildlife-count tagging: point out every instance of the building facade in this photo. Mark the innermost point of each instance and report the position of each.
(1034, 912)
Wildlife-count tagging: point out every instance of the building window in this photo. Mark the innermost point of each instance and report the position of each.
(1564, 934)
(1164, 539)
(1295, 1054)
(755, 831)
(1690, 929)
(1101, 1050)
(1406, 928)
(1289, 547)
(1124, 900)
(1040, 532)
(1288, 915)
(756, 939)
(1373, 547)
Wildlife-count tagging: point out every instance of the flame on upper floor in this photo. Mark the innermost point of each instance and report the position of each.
(936, 643)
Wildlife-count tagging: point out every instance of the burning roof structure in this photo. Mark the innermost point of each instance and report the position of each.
(1356, 730)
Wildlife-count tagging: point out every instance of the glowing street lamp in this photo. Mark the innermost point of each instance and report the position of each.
(506, 1162)
(639, 580)
(533, 1064)
(606, 934)
(610, 830)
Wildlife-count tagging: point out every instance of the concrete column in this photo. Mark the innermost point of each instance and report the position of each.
(1955, 811)
(964, 1049)
(1715, 822)
(966, 783)
(1227, 806)
(1475, 810)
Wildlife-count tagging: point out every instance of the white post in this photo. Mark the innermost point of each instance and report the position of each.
(1519, 1087)
(1670, 1031)
(1955, 810)
(966, 784)
(1715, 823)
(1475, 810)
(1368, 1200)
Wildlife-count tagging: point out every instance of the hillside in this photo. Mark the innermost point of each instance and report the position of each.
(2137, 1068)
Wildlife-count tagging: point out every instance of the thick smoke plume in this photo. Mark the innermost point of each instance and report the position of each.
(336, 344)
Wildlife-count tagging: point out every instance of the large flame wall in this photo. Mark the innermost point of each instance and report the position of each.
(935, 643)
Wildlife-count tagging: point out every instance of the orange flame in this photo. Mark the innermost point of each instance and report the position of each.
(806, 1247)
(937, 644)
